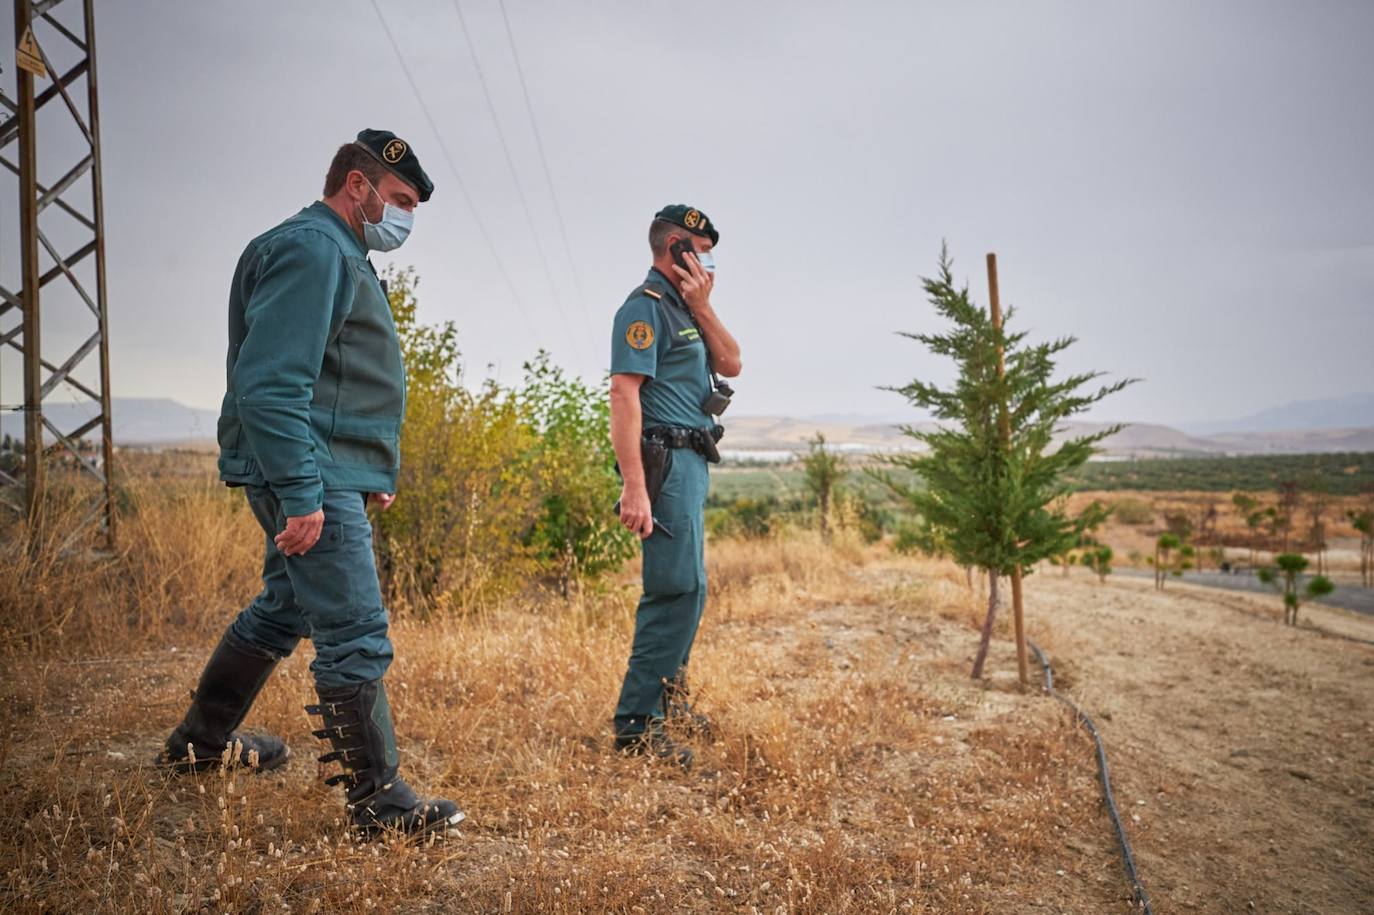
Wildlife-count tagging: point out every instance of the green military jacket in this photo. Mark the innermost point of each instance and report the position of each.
(315, 383)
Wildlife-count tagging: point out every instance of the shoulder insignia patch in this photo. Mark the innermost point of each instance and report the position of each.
(653, 295)
(639, 335)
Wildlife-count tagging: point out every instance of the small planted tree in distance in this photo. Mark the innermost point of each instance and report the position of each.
(991, 478)
(1099, 559)
(1283, 575)
(823, 470)
(1363, 521)
(1165, 545)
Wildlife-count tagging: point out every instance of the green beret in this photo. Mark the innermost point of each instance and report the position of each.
(398, 157)
(691, 219)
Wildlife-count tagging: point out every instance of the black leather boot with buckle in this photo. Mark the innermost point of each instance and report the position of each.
(232, 679)
(357, 723)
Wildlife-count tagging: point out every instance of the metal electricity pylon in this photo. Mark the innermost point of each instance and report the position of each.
(65, 247)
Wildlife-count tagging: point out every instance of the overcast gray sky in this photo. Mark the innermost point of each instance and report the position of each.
(1184, 186)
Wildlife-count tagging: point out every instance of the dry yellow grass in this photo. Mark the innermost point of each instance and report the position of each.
(856, 769)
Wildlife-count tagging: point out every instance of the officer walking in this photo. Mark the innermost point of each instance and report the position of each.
(310, 428)
(668, 349)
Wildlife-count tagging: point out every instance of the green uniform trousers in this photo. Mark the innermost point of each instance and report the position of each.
(329, 595)
(674, 593)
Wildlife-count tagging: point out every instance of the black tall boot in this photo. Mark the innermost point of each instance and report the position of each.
(230, 682)
(357, 723)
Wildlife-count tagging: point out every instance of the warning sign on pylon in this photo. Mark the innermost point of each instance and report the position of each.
(28, 57)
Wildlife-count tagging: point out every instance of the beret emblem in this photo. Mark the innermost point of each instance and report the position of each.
(394, 151)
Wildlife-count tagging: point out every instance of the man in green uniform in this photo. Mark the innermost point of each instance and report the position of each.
(310, 429)
(667, 348)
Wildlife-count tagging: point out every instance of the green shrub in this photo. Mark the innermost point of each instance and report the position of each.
(498, 486)
(1133, 511)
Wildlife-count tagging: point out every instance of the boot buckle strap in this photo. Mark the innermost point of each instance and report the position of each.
(340, 755)
(331, 733)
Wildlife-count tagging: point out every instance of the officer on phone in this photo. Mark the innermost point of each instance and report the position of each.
(668, 351)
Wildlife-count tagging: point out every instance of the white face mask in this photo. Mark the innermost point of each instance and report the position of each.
(708, 261)
(391, 232)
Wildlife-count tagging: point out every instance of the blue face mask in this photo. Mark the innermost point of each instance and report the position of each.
(391, 232)
(708, 261)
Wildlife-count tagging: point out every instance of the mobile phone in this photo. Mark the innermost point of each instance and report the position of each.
(679, 249)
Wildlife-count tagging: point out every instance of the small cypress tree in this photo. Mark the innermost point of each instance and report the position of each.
(1099, 559)
(1284, 574)
(991, 476)
(1363, 521)
(824, 469)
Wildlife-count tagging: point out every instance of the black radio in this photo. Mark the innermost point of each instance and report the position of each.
(719, 399)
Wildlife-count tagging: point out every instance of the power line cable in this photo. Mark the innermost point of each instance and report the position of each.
(448, 158)
(515, 177)
(544, 162)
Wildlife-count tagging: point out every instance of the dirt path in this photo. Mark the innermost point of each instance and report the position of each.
(1245, 749)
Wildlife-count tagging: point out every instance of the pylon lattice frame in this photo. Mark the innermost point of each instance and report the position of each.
(34, 198)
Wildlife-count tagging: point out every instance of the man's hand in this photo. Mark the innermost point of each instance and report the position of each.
(635, 511)
(302, 532)
(382, 500)
(697, 284)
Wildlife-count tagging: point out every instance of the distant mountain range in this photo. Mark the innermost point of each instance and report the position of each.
(1353, 411)
(754, 434)
(1335, 424)
(157, 421)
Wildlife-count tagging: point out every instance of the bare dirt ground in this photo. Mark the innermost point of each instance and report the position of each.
(1246, 749)
(857, 768)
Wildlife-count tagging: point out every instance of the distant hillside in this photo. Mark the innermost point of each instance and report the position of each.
(164, 422)
(1352, 411)
(782, 433)
(137, 421)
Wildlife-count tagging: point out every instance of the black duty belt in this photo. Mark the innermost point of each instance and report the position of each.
(702, 441)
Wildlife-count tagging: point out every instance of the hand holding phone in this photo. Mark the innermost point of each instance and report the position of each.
(680, 249)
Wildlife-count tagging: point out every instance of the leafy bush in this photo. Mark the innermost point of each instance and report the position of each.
(744, 517)
(1133, 511)
(1284, 576)
(497, 486)
(577, 533)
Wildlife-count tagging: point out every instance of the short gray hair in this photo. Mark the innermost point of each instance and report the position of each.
(659, 232)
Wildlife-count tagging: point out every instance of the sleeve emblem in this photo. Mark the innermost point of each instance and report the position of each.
(639, 335)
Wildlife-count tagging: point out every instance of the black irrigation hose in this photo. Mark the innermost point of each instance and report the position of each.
(1141, 899)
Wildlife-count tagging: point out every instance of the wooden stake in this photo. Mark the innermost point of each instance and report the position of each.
(1017, 607)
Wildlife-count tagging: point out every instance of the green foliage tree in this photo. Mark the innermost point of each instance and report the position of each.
(1363, 522)
(1284, 576)
(1318, 503)
(1247, 506)
(498, 487)
(823, 470)
(576, 534)
(1165, 561)
(990, 491)
(1286, 512)
(1099, 559)
(466, 494)
(746, 516)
